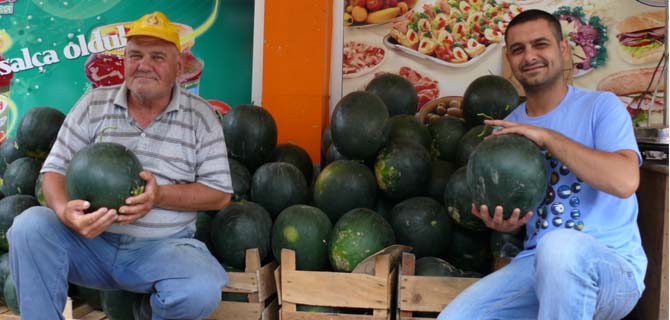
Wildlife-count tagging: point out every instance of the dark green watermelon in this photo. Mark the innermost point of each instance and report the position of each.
(446, 132)
(357, 125)
(4, 271)
(508, 171)
(470, 140)
(458, 200)
(305, 230)
(240, 226)
(20, 176)
(9, 151)
(408, 127)
(440, 172)
(435, 267)
(344, 185)
(402, 170)
(39, 194)
(118, 304)
(10, 296)
(423, 224)
(37, 131)
(333, 155)
(488, 97)
(326, 141)
(277, 186)
(251, 135)
(241, 179)
(317, 309)
(203, 229)
(358, 234)
(10, 207)
(105, 174)
(87, 295)
(398, 94)
(295, 155)
(506, 245)
(470, 250)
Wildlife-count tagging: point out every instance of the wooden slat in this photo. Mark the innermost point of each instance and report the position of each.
(231, 310)
(432, 294)
(266, 281)
(298, 315)
(241, 282)
(94, 315)
(271, 312)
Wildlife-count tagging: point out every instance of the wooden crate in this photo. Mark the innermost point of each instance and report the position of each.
(73, 311)
(425, 294)
(335, 289)
(258, 283)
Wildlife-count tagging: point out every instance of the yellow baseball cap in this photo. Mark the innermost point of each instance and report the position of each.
(156, 25)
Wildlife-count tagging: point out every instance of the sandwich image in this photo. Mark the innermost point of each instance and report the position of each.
(635, 88)
(642, 37)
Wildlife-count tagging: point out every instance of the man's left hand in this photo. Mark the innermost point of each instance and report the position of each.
(138, 206)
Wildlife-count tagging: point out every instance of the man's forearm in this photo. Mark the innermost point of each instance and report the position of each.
(191, 197)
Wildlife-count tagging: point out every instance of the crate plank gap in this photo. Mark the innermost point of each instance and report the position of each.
(73, 311)
(423, 293)
(259, 284)
(335, 289)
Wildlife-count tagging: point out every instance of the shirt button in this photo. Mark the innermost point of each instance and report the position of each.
(143, 135)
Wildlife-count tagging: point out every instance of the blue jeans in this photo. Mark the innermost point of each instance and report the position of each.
(571, 276)
(184, 279)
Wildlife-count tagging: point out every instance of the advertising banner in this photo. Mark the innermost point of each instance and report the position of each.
(441, 46)
(51, 52)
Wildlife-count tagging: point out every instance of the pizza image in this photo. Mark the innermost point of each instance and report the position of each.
(360, 58)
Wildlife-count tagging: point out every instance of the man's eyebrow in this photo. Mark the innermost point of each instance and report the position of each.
(536, 40)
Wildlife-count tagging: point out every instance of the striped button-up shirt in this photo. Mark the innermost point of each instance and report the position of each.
(184, 144)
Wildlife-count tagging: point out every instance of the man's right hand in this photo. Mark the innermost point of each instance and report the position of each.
(497, 223)
(89, 225)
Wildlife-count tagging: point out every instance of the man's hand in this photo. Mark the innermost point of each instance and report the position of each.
(89, 225)
(509, 225)
(536, 134)
(138, 206)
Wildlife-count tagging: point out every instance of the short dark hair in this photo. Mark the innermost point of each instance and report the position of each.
(536, 14)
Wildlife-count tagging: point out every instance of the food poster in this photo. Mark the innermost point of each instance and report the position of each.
(52, 52)
(443, 45)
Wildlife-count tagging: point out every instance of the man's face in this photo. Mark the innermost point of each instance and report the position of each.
(535, 54)
(151, 66)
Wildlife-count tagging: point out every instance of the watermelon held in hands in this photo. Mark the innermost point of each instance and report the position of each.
(509, 171)
(251, 135)
(488, 97)
(357, 125)
(105, 174)
(397, 93)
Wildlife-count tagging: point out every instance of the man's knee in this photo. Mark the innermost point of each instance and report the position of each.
(195, 300)
(33, 222)
(561, 250)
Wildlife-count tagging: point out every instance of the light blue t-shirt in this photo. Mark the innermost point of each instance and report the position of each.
(599, 121)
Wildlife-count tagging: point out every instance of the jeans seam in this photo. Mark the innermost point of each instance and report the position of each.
(504, 302)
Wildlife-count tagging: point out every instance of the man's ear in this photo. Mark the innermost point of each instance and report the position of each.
(565, 48)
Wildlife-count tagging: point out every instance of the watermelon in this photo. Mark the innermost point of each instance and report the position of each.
(440, 172)
(9, 151)
(303, 229)
(435, 267)
(251, 135)
(203, 229)
(295, 155)
(405, 126)
(423, 224)
(458, 200)
(470, 250)
(344, 185)
(446, 132)
(20, 176)
(469, 141)
(277, 186)
(508, 171)
(118, 304)
(357, 125)
(87, 295)
(332, 155)
(506, 245)
(39, 194)
(326, 141)
(488, 97)
(402, 170)
(4, 270)
(397, 93)
(105, 174)
(241, 179)
(240, 226)
(10, 296)
(358, 234)
(10, 207)
(37, 131)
